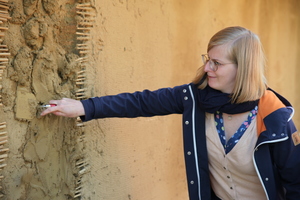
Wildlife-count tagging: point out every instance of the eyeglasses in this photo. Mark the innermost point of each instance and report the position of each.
(213, 64)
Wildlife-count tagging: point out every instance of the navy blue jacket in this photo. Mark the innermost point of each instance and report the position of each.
(276, 158)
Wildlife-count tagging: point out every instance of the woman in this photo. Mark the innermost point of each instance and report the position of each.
(238, 134)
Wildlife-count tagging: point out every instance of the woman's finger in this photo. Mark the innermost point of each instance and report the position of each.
(50, 110)
(56, 102)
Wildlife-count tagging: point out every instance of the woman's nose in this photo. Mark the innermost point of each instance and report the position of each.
(207, 67)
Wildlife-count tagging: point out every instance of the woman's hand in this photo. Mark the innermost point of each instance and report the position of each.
(66, 108)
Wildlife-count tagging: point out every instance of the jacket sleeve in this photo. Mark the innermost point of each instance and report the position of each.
(138, 104)
(287, 159)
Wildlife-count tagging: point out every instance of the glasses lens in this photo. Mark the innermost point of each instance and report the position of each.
(211, 64)
(204, 59)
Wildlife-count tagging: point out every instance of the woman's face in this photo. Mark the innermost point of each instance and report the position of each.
(224, 78)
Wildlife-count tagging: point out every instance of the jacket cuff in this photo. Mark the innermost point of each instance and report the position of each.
(89, 110)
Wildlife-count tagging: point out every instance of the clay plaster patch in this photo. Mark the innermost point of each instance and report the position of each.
(26, 104)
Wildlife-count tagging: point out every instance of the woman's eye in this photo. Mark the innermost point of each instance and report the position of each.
(217, 63)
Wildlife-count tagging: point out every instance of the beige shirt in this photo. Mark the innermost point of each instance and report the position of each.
(233, 175)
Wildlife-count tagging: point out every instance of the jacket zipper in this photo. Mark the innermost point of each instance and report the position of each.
(194, 142)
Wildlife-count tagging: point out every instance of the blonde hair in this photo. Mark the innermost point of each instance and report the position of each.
(245, 50)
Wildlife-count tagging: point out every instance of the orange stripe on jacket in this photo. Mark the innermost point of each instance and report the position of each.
(268, 103)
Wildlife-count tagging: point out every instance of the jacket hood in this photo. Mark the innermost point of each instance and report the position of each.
(270, 102)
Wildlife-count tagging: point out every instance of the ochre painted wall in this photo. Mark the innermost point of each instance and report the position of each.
(153, 44)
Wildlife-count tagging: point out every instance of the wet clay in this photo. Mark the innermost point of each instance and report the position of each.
(44, 152)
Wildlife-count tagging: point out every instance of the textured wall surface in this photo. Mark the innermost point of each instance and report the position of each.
(134, 45)
(152, 44)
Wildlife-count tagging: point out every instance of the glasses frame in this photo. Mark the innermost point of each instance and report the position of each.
(212, 64)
